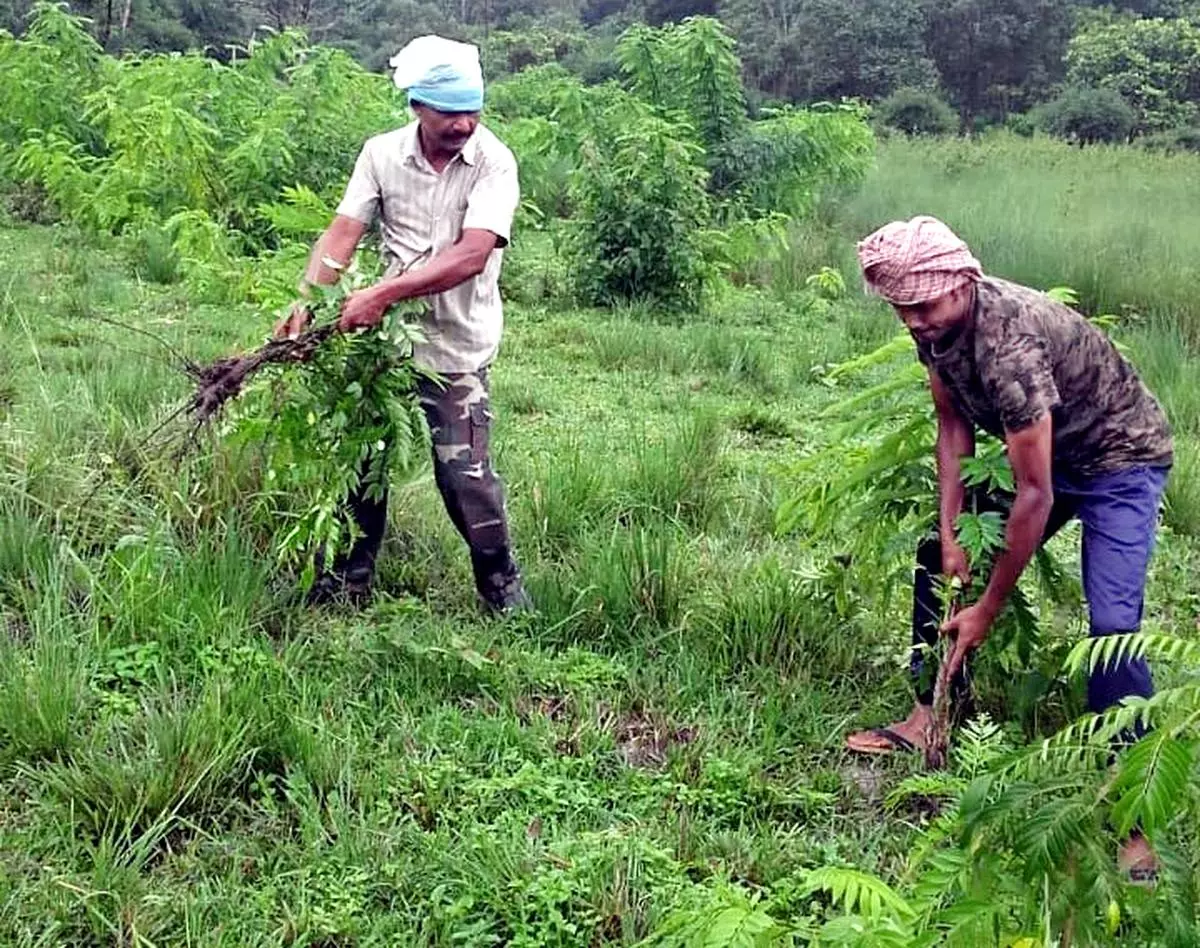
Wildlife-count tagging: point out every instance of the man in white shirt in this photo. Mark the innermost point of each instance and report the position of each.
(444, 190)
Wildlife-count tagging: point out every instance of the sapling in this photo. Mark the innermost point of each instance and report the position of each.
(981, 535)
(331, 412)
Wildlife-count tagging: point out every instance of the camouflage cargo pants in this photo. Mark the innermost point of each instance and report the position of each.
(460, 422)
(458, 412)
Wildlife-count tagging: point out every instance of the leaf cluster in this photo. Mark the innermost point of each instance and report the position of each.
(345, 420)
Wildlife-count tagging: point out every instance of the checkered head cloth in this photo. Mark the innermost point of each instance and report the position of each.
(910, 262)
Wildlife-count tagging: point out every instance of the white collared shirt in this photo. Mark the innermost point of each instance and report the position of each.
(422, 212)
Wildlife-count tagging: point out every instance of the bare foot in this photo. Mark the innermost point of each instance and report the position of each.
(1137, 860)
(910, 731)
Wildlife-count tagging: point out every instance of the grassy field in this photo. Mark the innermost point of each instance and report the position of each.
(187, 758)
(1114, 223)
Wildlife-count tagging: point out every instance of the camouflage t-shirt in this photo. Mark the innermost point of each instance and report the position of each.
(1023, 354)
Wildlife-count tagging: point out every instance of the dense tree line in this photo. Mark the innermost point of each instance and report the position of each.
(988, 59)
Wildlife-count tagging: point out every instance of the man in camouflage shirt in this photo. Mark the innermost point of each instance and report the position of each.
(1085, 438)
(444, 190)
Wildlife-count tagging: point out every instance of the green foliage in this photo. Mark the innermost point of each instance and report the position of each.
(348, 416)
(1183, 490)
(1185, 139)
(689, 68)
(858, 893)
(824, 50)
(642, 203)
(990, 58)
(506, 52)
(872, 485)
(1023, 124)
(1022, 850)
(997, 56)
(184, 142)
(917, 112)
(1153, 64)
(239, 157)
(1088, 116)
(1107, 221)
(730, 919)
(636, 229)
(184, 756)
(43, 79)
(786, 160)
(878, 484)
(642, 229)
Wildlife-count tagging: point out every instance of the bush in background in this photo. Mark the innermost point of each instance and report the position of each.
(917, 112)
(1186, 138)
(1089, 116)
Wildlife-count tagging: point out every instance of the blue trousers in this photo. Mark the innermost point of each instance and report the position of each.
(1119, 514)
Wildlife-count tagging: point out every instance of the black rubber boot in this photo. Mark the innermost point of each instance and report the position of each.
(350, 580)
(499, 583)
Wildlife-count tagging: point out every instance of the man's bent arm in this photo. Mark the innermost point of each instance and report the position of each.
(337, 243)
(446, 269)
(1029, 453)
(955, 440)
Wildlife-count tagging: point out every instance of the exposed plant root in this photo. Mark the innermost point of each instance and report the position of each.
(937, 734)
(219, 382)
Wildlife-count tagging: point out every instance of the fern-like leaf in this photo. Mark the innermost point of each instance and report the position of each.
(855, 931)
(1054, 830)
(1106, 650)
(908, 378)
(941, 879)
(901, 344)
(742, 927)
(981, 743)
(1152, 779)
(857, 892)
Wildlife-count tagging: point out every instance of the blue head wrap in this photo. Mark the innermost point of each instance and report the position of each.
(440, 73)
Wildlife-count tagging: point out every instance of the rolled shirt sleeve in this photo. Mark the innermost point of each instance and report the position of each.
(1020, 380)
(363, 193)
(493, 200)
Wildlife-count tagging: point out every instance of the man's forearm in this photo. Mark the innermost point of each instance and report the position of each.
(952, 446)
(337, 243)
(318, 273)
(444, 272)
(1026, 525)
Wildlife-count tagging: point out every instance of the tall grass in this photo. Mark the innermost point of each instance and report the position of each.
(1116, 223)
(186, 757)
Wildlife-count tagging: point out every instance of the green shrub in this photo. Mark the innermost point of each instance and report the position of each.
(647, 170)
(641, 202)
(44, 77)
(1176, 140)
(690, 68)
(121, 144)
(785, 161)
(1088, 116)
(917, 112)
(1021, 123)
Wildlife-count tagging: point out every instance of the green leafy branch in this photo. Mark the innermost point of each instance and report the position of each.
(344, 414)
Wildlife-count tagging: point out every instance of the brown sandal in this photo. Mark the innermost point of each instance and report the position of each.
(896, 741)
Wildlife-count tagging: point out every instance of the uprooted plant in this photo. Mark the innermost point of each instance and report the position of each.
(328, 412)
